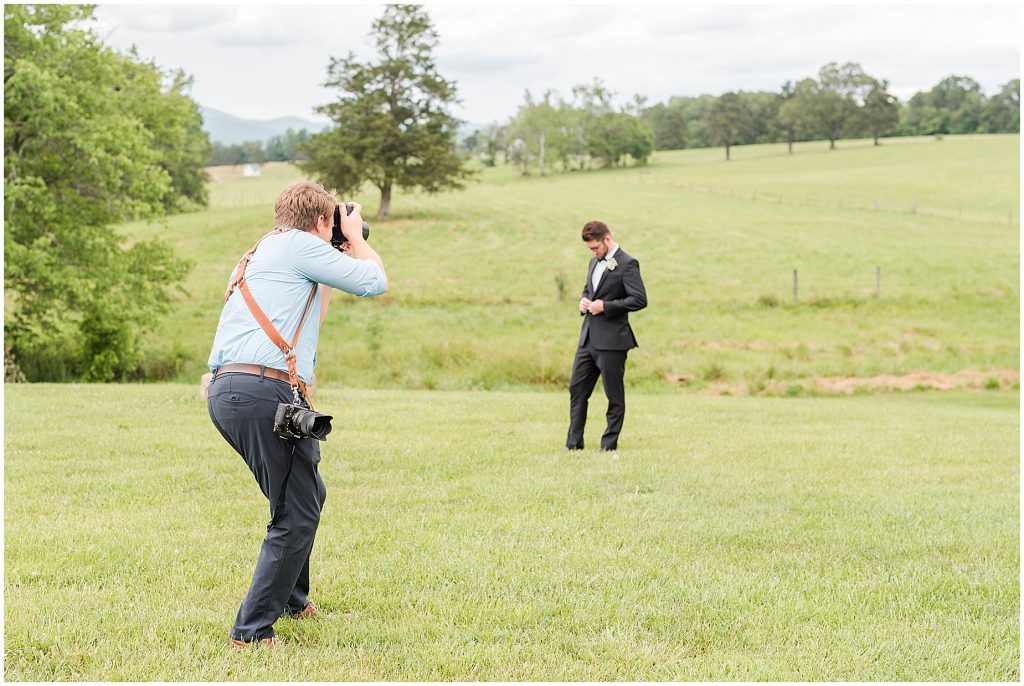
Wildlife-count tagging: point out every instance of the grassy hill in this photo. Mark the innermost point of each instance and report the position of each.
(484, 282)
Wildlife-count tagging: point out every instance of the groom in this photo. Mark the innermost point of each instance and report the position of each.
(613, 290)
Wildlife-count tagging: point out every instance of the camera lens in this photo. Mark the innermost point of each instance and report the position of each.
(321, 427)
(313, 424)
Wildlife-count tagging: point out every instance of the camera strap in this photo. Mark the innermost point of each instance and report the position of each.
(265, 323)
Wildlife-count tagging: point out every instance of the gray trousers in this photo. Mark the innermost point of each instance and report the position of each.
(242, 408)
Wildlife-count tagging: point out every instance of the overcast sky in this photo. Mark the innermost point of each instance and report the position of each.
(266, 61)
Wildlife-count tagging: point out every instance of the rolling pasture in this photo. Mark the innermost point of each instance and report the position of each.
(484, 283)
(786, 532)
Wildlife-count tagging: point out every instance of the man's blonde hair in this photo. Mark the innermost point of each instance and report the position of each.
(301, 203)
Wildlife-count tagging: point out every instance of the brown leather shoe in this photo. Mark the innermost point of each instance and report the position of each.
(269, 641)
(311, 610)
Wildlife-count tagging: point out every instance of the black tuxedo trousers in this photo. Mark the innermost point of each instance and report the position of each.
(610, 365)
(605, 341)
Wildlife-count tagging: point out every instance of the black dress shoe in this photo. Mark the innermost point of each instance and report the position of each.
(574, 447)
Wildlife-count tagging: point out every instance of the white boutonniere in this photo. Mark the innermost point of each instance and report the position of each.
(611, 265)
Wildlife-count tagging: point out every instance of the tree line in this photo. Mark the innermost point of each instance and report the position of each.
(588, 129)
(283, 148)
(843, 102)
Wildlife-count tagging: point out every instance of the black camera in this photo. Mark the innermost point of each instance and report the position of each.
(296, 421)
(337, 237)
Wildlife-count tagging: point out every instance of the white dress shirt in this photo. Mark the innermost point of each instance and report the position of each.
(595, 278)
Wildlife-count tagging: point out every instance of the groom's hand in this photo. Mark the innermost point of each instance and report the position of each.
(596, 307)
(584, 304)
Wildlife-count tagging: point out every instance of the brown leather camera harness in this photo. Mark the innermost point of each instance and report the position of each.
(287, 348)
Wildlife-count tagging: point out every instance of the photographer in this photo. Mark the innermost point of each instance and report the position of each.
(288, 276)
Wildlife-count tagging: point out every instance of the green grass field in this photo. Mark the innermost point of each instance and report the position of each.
(751, 537)
(474, 301)
(864, 538)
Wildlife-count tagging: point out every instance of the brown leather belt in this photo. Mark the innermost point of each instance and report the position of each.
(254, 369)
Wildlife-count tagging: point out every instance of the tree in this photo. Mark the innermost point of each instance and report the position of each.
(963, 98)
(919, 118)
(172, 117)
(668, 125)
(493, 139)
(221, 154)
(589, 103)
(606, 134)
(253, 153)
(483, 144)
(586, 128)
(612, 136)
(519, 155)
(728, 121)
(834, 107)
(392, 121)
(285, 147)
(880, 112)
(695, 111)
(763, 107)
(84, 133)
(953, 92)
(795, 119)
(636, 140)
(545, 127)
(1002, 111)
(955, 105)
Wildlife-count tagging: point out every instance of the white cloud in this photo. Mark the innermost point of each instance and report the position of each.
(169, 18)
(264, 61)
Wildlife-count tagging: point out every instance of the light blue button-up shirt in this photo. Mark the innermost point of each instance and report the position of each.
(280, 275)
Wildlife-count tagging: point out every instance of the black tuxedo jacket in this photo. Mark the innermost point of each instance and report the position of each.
(622, 291)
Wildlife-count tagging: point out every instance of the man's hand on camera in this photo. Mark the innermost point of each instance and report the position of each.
(355, 245)
(352, 224)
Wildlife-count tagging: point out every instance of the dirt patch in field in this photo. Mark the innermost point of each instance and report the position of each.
(672, 377)
(727, 345)
(965, 378)
(848, 385)
(224, 173)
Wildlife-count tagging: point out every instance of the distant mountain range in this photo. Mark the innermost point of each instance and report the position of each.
(228, 129)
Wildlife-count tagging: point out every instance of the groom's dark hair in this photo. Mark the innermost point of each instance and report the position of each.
(595, 231)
